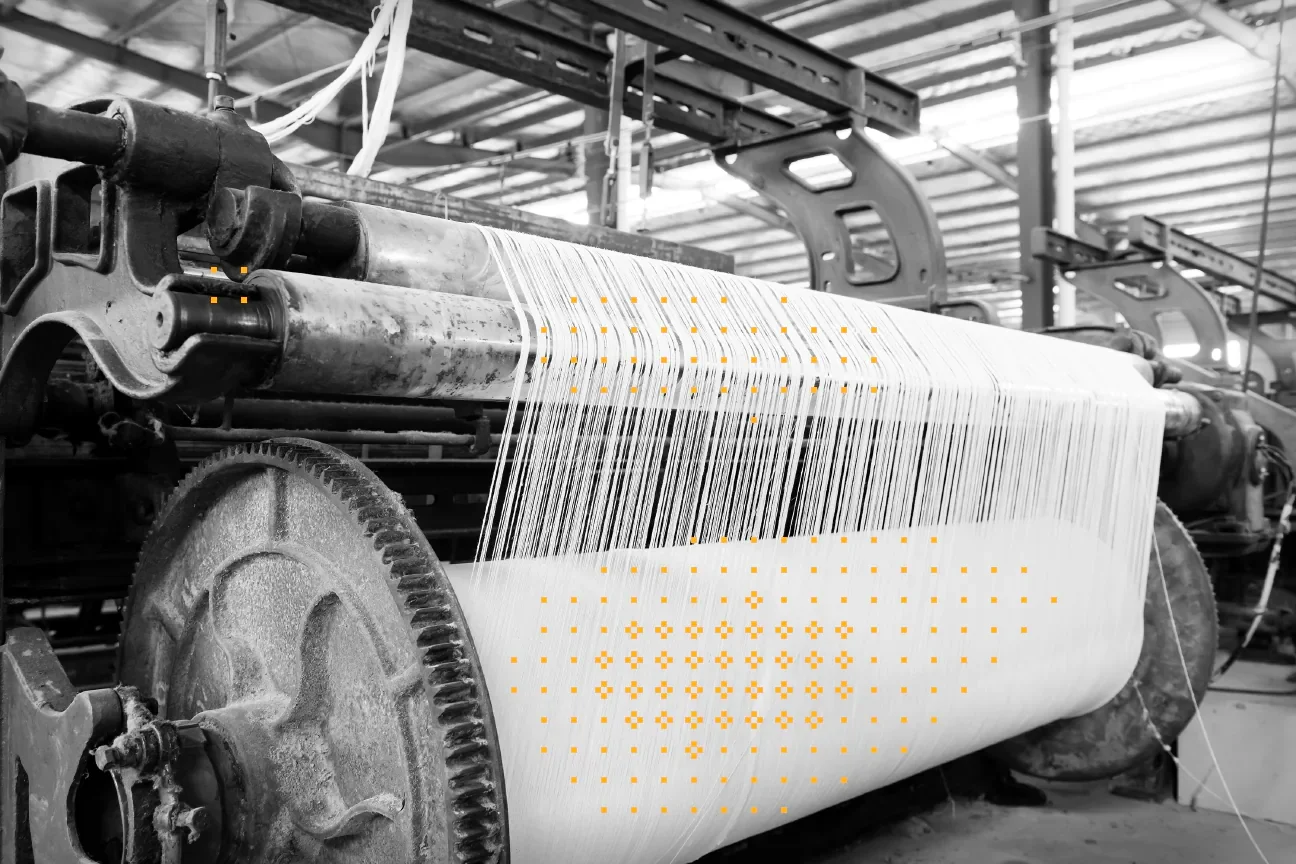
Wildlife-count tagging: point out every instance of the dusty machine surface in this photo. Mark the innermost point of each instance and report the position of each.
(177, 650)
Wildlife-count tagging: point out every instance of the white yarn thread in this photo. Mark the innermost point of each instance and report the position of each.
(699, 473)
(1183, 664)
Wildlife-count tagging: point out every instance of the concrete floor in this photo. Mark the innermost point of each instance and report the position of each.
(1081, 825)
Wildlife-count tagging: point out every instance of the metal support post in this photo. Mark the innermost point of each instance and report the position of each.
(217, 34)
(1066, 203)
(1034, 161)
(596, 164)
(649, 116)
(616, 94)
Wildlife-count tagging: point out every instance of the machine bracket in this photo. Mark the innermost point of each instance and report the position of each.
(49, 729)
(867, 227)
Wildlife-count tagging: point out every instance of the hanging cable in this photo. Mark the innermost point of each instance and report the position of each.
(1284, 520)
(1264, 207)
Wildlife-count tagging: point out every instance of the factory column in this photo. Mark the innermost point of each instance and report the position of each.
(1034, 161)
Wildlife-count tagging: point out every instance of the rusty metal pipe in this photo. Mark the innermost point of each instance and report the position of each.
(351, 338)
(334, 415)
(330, 436)
(73, 135)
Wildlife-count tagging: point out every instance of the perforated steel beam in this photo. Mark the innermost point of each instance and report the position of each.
(718, 34)
(485, 38)
(1159, 238)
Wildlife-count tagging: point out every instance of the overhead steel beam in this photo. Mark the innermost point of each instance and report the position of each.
(326, 136)
(1160, 238)
(119, 35)
(143, 20)
(263, 38)
(716, 33)
(476, 134)
(1255, 41)
(488, 39)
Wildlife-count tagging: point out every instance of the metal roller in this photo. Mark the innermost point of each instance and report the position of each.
(416, 251)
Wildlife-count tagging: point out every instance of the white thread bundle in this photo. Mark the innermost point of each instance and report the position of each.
(741, 570)
(392, 18)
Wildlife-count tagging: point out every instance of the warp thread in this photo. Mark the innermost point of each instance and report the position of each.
(753, 551)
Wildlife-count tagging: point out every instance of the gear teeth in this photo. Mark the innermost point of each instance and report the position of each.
(462, 733)
(469, 749)
(421, 582)
(435, 635)
(442, 653)
(389, 535)
(430, 615)
(409, 565)
(455, 691)
(469, 794)
(468, 753)
(475, 831)
(444, 673)
(476, 852)
(456, 712)
(420, 599)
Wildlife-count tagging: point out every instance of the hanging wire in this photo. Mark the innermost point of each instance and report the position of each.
(1284, 520)
(1264, 207)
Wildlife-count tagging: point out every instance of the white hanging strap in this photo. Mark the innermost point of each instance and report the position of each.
(282, 127)
(379, 122)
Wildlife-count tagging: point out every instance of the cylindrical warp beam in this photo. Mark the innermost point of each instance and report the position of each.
(690, 697)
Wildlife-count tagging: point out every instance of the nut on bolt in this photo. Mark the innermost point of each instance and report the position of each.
(174, 818)
(122, 753)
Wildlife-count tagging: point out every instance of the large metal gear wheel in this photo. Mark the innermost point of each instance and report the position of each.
(288, 602)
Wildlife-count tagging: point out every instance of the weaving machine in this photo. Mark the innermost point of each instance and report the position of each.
(742, 553)
(1228, 480)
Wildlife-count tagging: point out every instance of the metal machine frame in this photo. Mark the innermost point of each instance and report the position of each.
(1221, 485)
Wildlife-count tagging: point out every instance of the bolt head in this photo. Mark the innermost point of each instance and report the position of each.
(106, 757)
(193, 818)
(224, 103)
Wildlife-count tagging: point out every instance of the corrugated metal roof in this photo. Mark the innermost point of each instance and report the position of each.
(1171, 121)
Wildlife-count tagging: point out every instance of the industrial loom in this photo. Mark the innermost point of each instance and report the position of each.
(737, 552)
